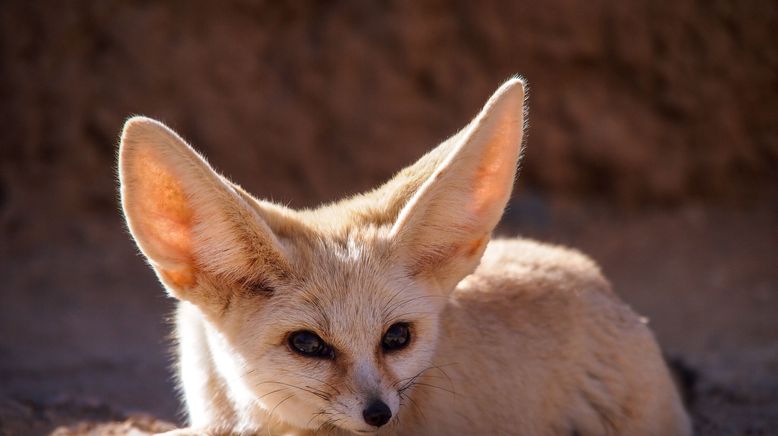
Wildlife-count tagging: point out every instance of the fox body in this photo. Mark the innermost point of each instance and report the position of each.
(391, 312)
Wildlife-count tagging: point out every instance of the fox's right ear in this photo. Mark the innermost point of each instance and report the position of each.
(190, 222)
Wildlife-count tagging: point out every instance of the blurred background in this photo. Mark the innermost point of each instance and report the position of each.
(652, 146)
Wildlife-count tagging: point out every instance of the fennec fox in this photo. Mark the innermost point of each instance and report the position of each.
(391, 312)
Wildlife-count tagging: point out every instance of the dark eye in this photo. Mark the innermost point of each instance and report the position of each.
(396, 337)
(310, 344)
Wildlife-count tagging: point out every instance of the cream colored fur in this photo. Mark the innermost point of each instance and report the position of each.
(507, 337)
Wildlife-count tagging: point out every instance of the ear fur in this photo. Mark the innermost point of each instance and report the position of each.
(444, 228)
(190, 222)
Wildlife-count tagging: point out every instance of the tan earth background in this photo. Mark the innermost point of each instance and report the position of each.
(652, 146)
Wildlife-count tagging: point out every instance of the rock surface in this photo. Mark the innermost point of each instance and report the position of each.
(643, 101)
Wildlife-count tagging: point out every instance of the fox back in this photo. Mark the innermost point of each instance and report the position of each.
(391, 312)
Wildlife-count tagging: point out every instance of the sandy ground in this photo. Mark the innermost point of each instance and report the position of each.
(83, 323)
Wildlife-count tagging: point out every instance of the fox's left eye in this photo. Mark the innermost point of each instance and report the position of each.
(397, 336)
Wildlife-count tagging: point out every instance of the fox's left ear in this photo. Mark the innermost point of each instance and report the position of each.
(444, 228)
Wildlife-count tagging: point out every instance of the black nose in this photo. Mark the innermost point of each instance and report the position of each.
(377, 413)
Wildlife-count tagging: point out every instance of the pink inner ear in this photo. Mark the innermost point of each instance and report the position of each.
(161, 209)
(493, 180)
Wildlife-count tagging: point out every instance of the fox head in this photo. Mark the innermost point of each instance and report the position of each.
(322, 317)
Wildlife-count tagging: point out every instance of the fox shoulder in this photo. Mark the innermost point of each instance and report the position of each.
(514, 266)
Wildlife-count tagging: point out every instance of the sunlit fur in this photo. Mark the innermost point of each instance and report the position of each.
(507, 337)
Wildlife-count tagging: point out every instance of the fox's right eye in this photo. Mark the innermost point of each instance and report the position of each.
(310, 344)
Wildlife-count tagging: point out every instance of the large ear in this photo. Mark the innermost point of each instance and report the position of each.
(444, 228)
(190, 222)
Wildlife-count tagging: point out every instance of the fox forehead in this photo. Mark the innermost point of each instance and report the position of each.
(345, 289)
